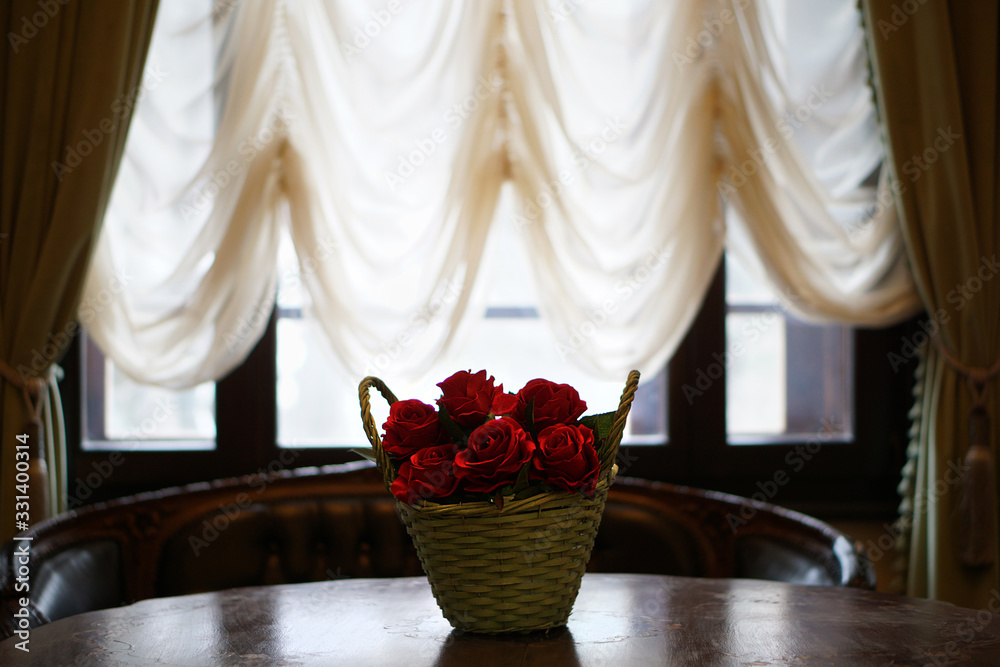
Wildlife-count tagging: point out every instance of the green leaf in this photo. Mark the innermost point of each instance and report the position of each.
(529, 419)
(601, 425)
(522, 479)
(365, 453)
(458, 436)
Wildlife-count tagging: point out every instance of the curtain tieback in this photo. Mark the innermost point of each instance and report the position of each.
(978, 503)
(35, 391)
(32, 389)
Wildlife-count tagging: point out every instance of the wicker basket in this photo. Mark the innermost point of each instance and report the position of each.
(517, 569)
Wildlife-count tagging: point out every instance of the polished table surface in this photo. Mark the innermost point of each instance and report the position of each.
(617, 620)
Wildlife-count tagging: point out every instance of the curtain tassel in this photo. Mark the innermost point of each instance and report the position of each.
(978, 503)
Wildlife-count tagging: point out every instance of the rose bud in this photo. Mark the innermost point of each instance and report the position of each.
(496, 452)
(468, 397)
(429, 473)
(551, 404)
(566, 458)
(411, 426)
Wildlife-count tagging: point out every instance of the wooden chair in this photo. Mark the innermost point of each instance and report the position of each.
(313, 524)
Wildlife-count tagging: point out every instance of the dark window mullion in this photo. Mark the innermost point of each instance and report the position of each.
(246, 408)
(698, 391)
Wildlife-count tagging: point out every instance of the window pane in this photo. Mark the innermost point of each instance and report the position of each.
(318, 407)
(121, 413)
(820, 379)
(136, 411)
(755, 380)
(742, 288)
(787, 380)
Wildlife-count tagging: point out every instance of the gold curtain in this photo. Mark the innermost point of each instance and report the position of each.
(935, 67)
(69, 76)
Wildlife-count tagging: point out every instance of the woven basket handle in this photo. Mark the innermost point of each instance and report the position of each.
(618, 426)
(371, 429)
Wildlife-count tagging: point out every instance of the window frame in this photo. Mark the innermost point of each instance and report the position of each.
(856, 478)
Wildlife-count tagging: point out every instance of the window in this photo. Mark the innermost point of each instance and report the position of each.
(751, 393)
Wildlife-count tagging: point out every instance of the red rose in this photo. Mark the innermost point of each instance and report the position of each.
(566, 458)
(496, 452)
(412, 425)
(503, 403)
(468, 397)
(553, 404)
(429, 473)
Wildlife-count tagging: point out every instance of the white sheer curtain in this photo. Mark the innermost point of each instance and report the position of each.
(382, 132)
(810, 204)
(624, 254)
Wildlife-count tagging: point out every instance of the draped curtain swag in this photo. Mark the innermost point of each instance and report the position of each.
(382, 136)
(68, 77)
(936, 71)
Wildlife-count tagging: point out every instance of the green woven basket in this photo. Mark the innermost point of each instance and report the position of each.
(516, 569)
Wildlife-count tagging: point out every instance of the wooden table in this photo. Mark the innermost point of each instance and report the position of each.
(617, 620)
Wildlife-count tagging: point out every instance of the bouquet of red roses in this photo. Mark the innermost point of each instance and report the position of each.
(483, 444)
(501, 493)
